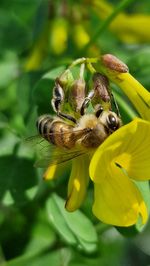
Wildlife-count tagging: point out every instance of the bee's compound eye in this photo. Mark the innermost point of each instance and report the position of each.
(112, 122)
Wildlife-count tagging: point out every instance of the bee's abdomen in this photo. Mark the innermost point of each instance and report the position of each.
(56, 131)
(62, 134)
(44, 126)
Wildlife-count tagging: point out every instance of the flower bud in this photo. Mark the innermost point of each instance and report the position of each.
(112, 63)
(101, 87)
(65, 79)
(77, 94)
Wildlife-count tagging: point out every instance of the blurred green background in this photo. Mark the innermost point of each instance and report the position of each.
(38, 39)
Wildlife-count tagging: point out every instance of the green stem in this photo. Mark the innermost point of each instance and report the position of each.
(85, 61)
(91, 68)
(121, 6)
(82, 68)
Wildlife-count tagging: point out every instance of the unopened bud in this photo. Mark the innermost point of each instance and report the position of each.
(65, 79)
(111, 62)
(77, 94)
(101, 87)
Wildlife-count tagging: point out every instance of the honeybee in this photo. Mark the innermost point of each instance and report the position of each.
(74, 140)
(67, 137)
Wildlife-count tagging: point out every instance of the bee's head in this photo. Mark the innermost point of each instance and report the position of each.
(110, 120)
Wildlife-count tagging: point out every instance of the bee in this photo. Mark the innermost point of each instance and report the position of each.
(66, 137)
(74, 140)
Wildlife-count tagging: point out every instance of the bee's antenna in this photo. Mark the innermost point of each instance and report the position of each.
(86, 101)
(115, 104)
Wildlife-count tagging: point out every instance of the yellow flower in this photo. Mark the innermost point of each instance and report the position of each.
(59, 36)
(118, 73)
(80, 36)
(121, 159)
(119, 162)
(130, 28)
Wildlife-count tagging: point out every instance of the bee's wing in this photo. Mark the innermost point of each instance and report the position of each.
(39, 145)
(49, 154)
(59, 156)
(37, 141)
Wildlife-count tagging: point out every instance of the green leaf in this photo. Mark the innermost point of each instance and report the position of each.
(109, 252)
(17, 176)
(19, 32)
(55, 258)
(3, 121)
(42, 92)
(139, 65)
(42, 237)
(25, 91)
(58, 221)
(42, 96)
(8, 68)
(18, 8)
(75, 225)
(54, 73)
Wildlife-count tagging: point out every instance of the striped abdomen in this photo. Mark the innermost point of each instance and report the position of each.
(56, 132)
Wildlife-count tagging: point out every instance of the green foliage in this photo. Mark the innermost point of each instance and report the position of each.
(10, 166)
(75, 228)
(35, 48)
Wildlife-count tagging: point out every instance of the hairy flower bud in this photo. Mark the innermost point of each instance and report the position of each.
(65, 79)
(77, 94)
(101, 87)
(112, 63)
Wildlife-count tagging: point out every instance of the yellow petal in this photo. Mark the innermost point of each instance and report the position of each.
(130, 28)
(136, 93)
(117, 200)
(50, 172)
(136, 155)
(78, 183)
(80, 36)
(129, 147)
(59, 36)
(56, 171)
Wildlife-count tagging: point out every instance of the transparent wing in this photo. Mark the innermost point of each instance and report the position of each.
(57, 158)
(49, 154)
(40, 145)
(37, 142)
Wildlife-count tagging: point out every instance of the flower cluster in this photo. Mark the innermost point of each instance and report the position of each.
(122, 159)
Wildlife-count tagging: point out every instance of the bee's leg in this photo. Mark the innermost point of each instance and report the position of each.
(69, 117)
(116, 105)
(86, 101)
(58, 97)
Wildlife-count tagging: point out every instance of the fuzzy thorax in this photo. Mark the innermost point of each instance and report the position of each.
(97, 134)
